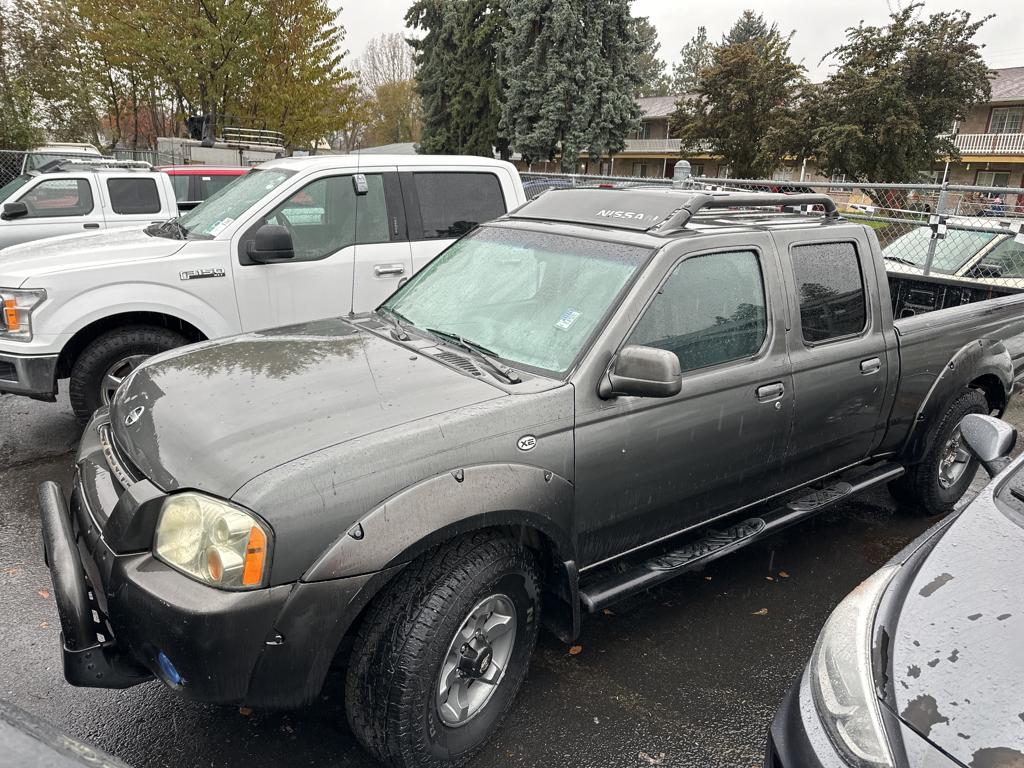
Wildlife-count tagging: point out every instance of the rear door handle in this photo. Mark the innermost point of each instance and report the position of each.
(91, 225)
(766, 393)
(388, 270)
(867, 367)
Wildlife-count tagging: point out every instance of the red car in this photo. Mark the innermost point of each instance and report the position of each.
(194, 183)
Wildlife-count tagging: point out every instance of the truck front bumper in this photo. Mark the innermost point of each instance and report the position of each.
(30, 375)
(127, 618)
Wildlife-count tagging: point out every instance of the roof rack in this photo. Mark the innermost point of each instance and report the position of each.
(657, 211)
(55, 166)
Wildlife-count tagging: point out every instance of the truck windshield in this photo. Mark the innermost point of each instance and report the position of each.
(8, 189)
(951, 253)
(531, 298)
(211, 217)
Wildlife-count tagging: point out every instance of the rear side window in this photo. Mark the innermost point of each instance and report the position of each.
(180, 184)
(452, 204)
(831, 291)
(58, 197)
(711, 310)
(210, 184)
(128, 196)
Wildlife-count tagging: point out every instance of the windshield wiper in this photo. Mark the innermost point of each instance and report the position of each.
(397, 319)
(480, 352)
(171, 228)
(901, 260)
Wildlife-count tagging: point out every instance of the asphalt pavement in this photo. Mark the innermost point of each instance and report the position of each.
(688, 674)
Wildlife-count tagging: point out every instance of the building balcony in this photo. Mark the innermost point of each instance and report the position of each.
(651, 147)
(990, 143)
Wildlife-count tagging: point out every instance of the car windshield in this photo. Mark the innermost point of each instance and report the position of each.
(210, 218)
(532, 298)
(8, 189)
(951, 253)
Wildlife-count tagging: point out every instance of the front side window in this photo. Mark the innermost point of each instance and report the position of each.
(831, 291)
(219, 211)
(133, 196)
(533, 298)
(452, 204)
(711, 310)
(58, 197)
(326, 215)
(1007, 120)
(8, 189)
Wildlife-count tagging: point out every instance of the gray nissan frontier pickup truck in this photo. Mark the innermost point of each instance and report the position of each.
(569, 405)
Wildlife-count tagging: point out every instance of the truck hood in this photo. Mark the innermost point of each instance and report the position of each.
(215, 415)
(957, 661)
(37, 258)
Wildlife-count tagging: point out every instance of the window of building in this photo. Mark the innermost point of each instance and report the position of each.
(838, 178)
(58, 197)
(133, 196)
(639, 169)
(452, 204)
(711, 310)
(992, 179)
(831, 290)
(1007, 120)
(783, 174)
(643, 132)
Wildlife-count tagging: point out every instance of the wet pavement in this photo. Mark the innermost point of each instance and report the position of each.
(689, 674)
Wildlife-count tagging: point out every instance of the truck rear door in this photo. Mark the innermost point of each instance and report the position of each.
(136, 199)
(843, 374)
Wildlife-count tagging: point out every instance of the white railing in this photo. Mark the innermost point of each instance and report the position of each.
(990, 143)
(652, 145)
(233, 135)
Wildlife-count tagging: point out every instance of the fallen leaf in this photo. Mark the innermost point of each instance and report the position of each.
(576, 650)
(770, 578)
(43, 593)
(607, 612)
(11, 571)
(245, 711)
(783, 574)
(44, 625)
(762, 612)
(652, 759)
(707, 578)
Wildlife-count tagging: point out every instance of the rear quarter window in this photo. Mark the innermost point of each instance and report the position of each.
(830, 289)
(133, 196)
(454, 203)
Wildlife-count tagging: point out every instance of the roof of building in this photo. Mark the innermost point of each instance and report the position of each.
(1008, 84)
(657, 106)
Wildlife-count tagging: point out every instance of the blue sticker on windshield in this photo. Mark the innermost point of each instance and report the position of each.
(567, 319)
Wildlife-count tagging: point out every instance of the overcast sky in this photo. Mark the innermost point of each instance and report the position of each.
(819, 25)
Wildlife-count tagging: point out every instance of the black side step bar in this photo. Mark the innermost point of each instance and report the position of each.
(716, 543)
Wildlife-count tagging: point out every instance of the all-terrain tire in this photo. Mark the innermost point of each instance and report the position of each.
(920, 488)
(92, 365)
(394, 671)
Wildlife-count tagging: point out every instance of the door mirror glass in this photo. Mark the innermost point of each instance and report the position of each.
(272, 243)
(643, 372)
(990, 439)
(14, 211)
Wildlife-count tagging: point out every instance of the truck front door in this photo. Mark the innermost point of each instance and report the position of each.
(648, 467)
(56, 206)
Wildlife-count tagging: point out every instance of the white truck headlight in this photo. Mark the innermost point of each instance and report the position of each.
(841, 678)
(16, 307)
(212, 541)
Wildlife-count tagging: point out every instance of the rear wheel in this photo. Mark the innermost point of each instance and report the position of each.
(107, 361)
(936, 484)
(442, 653)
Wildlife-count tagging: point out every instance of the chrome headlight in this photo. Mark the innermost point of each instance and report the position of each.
(841, 677)
(212, 541)
(16, 307)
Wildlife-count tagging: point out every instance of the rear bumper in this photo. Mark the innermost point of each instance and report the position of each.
(30, 375)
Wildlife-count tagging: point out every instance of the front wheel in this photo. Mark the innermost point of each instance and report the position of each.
(442, 653)
(107, 361)
(936, 484)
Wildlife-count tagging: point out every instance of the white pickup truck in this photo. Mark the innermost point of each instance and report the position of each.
(294, 240)
(74, 196)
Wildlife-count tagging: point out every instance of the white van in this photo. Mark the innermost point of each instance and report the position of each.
(294, 240)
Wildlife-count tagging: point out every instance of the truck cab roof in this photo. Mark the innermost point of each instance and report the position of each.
(373, 161)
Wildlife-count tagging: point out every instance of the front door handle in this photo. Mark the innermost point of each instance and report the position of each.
(769, 392)
(91, 225)
(868, 367)
(388, 270)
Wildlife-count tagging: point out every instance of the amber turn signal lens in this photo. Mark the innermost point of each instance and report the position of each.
(255, 555)
(11, 316)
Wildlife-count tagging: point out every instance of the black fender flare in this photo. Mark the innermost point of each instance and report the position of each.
(982, 357)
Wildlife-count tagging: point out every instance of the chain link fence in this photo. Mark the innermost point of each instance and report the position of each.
(966, 236)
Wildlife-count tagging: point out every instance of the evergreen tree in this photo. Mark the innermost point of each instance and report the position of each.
(885, 114)
(654, 80)
(571, 72)
(743, 106)
(694, 58)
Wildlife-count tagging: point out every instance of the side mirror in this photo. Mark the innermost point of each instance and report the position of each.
(272, 243)
(642, 372)
(990, 439)
(14, 211)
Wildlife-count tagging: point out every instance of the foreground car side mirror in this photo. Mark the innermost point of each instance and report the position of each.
(272, 243)
(14, 211)
(642, 372)
(990, 439)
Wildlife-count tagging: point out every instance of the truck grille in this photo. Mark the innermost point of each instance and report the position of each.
(122, 470)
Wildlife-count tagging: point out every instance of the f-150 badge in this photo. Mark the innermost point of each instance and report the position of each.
(197, 274)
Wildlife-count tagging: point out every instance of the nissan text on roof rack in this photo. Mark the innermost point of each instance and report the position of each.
(294, 240)
(66, 197)
(591, 395)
